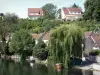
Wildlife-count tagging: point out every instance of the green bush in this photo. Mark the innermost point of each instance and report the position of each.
(40, 50)
(41, 54)
(95, 52)
(22, 43)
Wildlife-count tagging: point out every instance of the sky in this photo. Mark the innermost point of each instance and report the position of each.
(20, 7)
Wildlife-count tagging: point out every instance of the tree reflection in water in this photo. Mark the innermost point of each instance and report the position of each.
(8, 67)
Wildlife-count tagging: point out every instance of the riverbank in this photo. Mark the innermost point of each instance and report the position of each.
(92, 67)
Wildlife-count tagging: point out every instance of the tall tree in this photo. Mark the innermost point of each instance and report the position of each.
(59, 13)
(22, 43)
(40, 51)
(66, 42)
(75, 6)
(49, 11)
(7, 26)
(92, 10)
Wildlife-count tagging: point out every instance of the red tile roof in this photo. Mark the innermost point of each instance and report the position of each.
(67, 10)
(35, 10)
(75, 9)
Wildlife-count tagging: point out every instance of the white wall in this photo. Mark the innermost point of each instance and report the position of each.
(34, 17)
(62, 14)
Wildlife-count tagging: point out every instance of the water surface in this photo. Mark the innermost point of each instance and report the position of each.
(26, 68)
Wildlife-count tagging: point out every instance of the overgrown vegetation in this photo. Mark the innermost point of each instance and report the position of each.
(8, 24)
(40, 50)
(92, 10)
(66, 37)
(66, 41)
(22, 43)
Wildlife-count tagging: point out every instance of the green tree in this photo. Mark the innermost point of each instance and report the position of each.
(66, 41)
(30, 25)
(92, 10)
(49, 11)
(40, 50)
(75, 6)
(8, 24)
(22, 43)
(59, 13)
(47, 25)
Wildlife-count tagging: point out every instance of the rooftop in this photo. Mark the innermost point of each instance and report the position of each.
(35, 12)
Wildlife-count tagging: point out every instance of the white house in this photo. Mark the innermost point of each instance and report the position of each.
(35, 13)
(91, 41)
(71, 14)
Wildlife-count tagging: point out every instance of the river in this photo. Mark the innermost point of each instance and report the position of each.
(8, 67)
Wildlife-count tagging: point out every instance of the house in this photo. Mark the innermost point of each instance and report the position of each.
(44, 36)
(35, 13)
(70, 13)
(36, 37)
(91, 41)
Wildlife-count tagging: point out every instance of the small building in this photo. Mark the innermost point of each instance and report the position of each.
(36, 37)
(44, 36)
(35, 13)
(71, 14)
(92, 41)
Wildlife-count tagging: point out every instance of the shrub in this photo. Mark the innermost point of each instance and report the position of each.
(22, 43)
(95, 52)
(41, 54)
(40, 50)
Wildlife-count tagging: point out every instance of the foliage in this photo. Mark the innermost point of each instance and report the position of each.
(28, 24)
(8, 24)
(47, 25)
(38, 26)
(49, 11)
(75, 6)
(36, 30)
(95, 52)
(66, 42)
(22, 43)
(88, 25)
(40, 50)
(0, 47)
(92, 10)
(59, 13)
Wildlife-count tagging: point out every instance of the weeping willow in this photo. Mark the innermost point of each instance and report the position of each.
(65, 42)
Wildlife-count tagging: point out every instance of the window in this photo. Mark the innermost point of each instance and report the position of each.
(34, 13)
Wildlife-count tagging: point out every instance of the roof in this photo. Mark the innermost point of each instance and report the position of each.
(33, 11)
(87, 34)
(36, 36)
(65, 11)
(95, 37)
(46, 36)
(75, 9)
(70, 9)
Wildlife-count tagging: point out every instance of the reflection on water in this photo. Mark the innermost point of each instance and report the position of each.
(25, 68)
